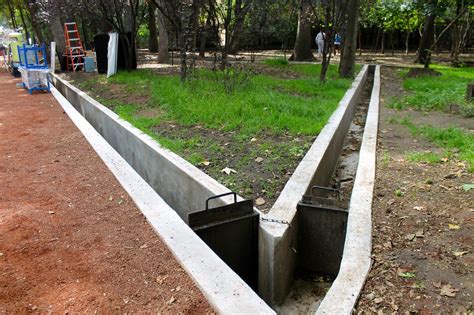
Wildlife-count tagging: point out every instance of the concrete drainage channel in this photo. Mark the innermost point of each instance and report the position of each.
(265, 251)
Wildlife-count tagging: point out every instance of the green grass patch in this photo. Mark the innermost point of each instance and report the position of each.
(453, 140)
(261, 103)
(424, 157)
(276, 62)
(442, 93)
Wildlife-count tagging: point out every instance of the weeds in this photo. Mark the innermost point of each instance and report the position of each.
(443, 93)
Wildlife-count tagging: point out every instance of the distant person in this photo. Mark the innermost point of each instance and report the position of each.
(337, 44)
(320, 42)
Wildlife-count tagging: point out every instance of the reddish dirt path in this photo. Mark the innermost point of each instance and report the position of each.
(71, 239)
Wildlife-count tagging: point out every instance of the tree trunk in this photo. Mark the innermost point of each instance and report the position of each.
(11, 9)
(426, 38)
(205, 30)
(302, 50)
(328, 43)
(347, 64)
(163, 54)
(240, 14)
(360, 42)
(153, 38)
(375, 48)
(382, 45)
(407, 41)
(391, 43)
(25, 28)
(57, 30)
(32, 9)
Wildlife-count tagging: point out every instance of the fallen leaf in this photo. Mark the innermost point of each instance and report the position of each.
(120, 201)
(111, 198)
(253, 139)
(418, 208)
(259, 159)
(437, 284)
(172, 300)
(453, 226)
(467, 187)
(205, 163)
(51, 212)
(378, 300)
(228, 170)
(260, 201)
(410, 237)
(448, 290)
(144, 246)
(459, 254)
(419, 233)
(450, 176)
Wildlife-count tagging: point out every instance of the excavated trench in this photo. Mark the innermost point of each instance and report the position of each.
(168, 174)
(309, 288)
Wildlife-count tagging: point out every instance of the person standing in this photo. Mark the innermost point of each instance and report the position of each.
(320, 42)
(337, 44)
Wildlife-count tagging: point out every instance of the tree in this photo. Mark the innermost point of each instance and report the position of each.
(428, 32)
(302, 50)
(153, 32)
(349, 41)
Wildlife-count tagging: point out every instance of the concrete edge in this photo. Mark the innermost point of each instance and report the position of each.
(204, 180)
(356, 261)
(224, 289)
(277, 258)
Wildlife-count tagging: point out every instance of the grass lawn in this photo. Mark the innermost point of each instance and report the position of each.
(444, 93)
(258, 122)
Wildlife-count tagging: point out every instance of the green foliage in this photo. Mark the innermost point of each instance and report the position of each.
(438, 93)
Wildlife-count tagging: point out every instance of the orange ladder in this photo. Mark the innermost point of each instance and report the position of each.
(74, 49)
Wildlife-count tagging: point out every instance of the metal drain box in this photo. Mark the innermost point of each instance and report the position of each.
(231, 231)
(321, 233)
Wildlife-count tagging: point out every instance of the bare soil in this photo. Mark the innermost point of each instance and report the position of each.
(71, 239)
(423, 221)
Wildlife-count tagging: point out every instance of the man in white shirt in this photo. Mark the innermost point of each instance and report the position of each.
(320, 42)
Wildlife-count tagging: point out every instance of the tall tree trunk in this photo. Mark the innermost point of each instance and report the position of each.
(302, 51)
(347, 64)
(391, 43)
(240, 14)
(25, 28)
(382, 44)
(33, 10)
(426, 37)
(11, 10)
(205, 30)
(163, 53)
(375, 47)
(57, 30)
(153, 38)
(407, 41)
(360, 42)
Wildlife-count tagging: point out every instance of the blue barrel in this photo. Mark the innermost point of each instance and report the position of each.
(89, 64)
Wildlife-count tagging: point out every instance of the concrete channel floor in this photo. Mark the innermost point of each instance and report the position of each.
(71, 239)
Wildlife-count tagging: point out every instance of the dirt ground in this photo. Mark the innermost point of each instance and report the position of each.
(71, 239)
(423, 220)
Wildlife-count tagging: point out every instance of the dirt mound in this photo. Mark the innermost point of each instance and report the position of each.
(422, 72)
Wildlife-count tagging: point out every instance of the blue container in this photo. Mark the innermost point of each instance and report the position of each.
(89, 64)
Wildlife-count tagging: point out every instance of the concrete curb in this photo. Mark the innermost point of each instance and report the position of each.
(224, 289)
(356, 260)
(277, 260)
